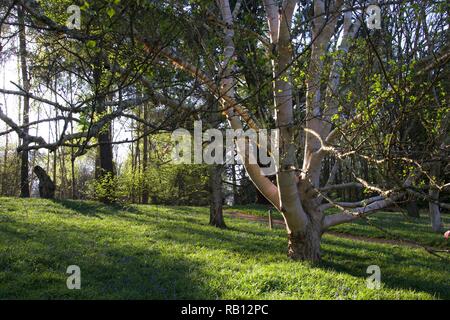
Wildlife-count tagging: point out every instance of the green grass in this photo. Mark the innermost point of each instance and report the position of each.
(259, 210)
(398, 225)
(151, 252)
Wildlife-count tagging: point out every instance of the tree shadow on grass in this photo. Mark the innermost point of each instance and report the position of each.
(400, 268)
(91, 208)
(241, 238)
(156, 216)
(238, 241)
(37, 255)
(37, 268)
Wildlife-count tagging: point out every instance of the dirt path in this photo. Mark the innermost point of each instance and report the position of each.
(275, 222)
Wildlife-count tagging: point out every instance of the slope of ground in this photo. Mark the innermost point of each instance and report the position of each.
(150, 252)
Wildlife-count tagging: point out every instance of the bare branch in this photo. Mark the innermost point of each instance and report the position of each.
(22, 134)
(342, 186)
(348, 216)
(357, 204)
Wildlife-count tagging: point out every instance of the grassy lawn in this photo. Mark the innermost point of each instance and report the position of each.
(259, 210)
(152, 252)
(396, 223)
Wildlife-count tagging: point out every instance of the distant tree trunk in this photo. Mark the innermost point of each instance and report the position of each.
(55, 152)
(215, 174)
(105, 153)
(137, 155)
(234, 181)
(55, 158)
(133, 168)
(48, 151)
(5, 154)
(434, 210)
(216, 197)
(24, 179)
(72, 161)
(62, 165)
(105, 165)
(412, 209)
(5, 166)
(72, 165)
(35, 152)
(105, 169)
(145, 159)
(72, 149)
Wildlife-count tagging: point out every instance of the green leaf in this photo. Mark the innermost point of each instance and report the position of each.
(111, 12)
(91, 44)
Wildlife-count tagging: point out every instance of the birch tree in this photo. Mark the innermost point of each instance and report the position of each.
(297, 193)
(323, 116)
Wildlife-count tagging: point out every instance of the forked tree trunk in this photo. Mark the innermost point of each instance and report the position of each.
(304, 243)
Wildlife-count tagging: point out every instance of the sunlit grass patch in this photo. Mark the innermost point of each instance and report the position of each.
(154, 252)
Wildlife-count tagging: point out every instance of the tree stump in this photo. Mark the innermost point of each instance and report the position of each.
(46, 185)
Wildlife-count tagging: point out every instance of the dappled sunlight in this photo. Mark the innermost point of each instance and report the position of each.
(171, 253)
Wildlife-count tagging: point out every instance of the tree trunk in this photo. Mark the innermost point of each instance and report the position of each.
(72, 149)
(133, 166)
(24, 179)
(55, 156)
(234, 181)
(104, 151)
(72, 166)
(63, 172)
(5, 154)
(412, 209)
(35, 152)
(72, 170)
(216, 197)
(434, 210)
(138, 159)
(435, 216)
(305, 246)
(5, 166)
(145, 159)
(304, 241)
